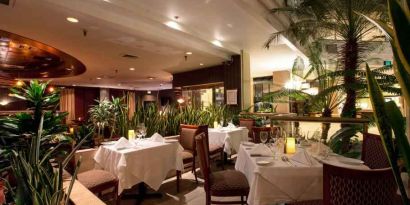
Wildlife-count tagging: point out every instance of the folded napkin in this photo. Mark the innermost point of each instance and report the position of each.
(303, 157)
(261, 150)
(123, 143)
(231, 126)
(156, 138)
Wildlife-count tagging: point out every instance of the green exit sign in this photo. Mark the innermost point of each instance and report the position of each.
(387, 63)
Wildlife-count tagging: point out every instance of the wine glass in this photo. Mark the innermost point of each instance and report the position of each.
(264, 136)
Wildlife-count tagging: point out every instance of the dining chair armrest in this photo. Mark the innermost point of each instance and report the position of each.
(87, 159)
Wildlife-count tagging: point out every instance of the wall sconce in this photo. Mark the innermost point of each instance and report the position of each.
(290, 147)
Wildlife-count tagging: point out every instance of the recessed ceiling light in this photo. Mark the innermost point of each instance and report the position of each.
(98, 78)
(188, 53)
(149, 92)
(72, 20)
(119, 84)
(74, 85)
(201, 64)
(217, 43)
(132, 69)
(108, 1)
(151, 78)
(173, 25)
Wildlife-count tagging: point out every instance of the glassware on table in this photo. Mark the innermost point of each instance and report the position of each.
(264, 136)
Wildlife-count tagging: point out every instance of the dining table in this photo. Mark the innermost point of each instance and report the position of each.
(147, 162)
(229, 138)
(282, 181)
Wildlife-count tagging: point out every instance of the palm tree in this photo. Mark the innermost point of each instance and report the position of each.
(312, 20)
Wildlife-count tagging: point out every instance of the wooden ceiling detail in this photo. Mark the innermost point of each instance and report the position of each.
(21, 57)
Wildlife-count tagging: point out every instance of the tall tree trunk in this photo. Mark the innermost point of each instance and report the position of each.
(350, 59)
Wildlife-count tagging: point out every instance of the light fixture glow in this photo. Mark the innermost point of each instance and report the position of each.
(201, 64)
(148, 92)
(188, 53)
(151, 78)
(132, 69)
(51, 89)
(19, 83)
(98, 78)
(72, 20)
(217, 43)
(173, 25)
(4, 102)
(180, 100)
(74, 85)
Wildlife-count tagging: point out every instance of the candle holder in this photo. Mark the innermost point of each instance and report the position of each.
(290, 147)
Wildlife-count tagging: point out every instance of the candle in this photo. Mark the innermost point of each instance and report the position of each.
(131, 134)
(71, 130)
(290, 145)
(215, 124)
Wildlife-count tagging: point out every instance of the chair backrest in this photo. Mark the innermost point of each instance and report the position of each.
(248, 123)
(256, 133)
(187, 135)
(203, 155)
(344, 186)
(373, 153)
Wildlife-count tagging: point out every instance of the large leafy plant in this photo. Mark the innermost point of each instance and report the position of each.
(389, 119)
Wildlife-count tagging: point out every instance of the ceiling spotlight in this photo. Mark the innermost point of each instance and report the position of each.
(151, 78)
(72, 20)
(108, 1)
(201, 64)
(148, 92)
(173, 25)
(188, 53)
(19, 83)
(217, 43)
(98, 78)
(74, 85)
(132, 69)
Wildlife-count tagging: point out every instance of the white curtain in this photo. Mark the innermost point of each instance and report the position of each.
(131, 103)
(67, 103)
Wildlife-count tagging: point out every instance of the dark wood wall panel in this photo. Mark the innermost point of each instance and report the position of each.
(84, 98)
(13, 103)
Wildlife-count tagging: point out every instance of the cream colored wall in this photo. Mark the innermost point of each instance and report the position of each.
(246, 94)
(279, 80)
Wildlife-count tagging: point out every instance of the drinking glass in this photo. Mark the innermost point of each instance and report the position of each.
(264, 136)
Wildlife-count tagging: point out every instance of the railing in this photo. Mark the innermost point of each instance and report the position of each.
(293, 118)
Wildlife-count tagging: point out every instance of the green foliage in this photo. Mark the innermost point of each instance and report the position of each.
(388, 116)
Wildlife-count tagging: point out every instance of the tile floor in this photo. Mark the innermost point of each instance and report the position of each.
(190, 192)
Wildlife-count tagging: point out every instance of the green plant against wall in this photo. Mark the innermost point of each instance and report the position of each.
(388, 117)
(25, 146)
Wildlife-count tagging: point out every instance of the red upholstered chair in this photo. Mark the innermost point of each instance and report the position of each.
(256, 133)
(344, 186)
(373, 153)
(186, 138)
(248, 123)
(226, 183)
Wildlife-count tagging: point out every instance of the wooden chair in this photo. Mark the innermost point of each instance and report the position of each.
(248, 123)
(373, 153)
(344, 186)
(256, 133)
(100, 182)
(186, 138)
(226, 183)
(215, 152)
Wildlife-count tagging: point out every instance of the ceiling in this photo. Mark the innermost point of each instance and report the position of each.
(114, 28)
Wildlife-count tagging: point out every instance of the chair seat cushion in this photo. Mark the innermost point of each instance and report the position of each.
(214, 149)
(228, 183)
(187, 156)
(94, 178)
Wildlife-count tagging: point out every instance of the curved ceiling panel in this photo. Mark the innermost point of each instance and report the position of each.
(21, 57)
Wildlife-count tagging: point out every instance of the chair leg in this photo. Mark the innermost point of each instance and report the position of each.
(223, 159)
(208, 198)
(178, 177)
(194, 170)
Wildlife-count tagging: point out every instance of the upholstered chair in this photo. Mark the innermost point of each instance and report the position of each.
(226, 183)
(248, 123)
(373, 153)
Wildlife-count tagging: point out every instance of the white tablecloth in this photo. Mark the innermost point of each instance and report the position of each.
(231, 138)
(148, 162)
(279, 182)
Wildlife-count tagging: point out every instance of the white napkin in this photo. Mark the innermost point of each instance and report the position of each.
(123, 143)
(303, 157)
(156, 138)
(231, 126)
(261, 150)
